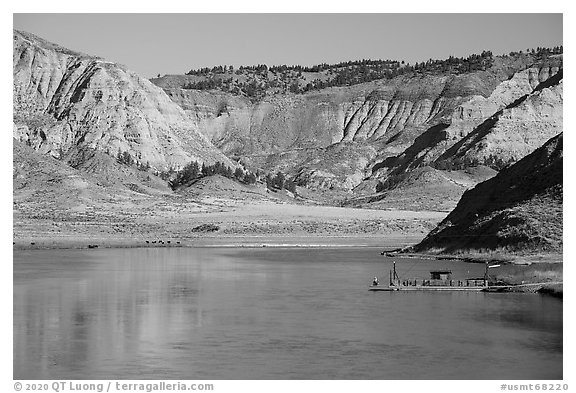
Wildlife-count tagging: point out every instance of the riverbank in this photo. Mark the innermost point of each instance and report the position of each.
(555, 290)
(149, 222)
(550, 272)
(485, 257)
(215, 241)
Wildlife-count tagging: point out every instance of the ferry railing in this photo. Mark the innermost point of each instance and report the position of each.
(438, 283)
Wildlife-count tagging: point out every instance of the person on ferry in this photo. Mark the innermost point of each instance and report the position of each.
(375, 282)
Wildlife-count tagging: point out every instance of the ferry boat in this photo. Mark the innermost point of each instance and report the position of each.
(440, 280)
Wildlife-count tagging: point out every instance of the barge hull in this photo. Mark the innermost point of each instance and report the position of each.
(460, 289)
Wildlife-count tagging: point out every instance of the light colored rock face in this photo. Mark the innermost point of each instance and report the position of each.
(472, 116)
(64, 99)
(416, 120)
(516, 132)
(375, 111)
(379, 117)
(340, 167)
(390, 113)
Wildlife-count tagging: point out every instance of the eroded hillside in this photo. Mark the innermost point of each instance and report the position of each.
(412, 140)
(363, 141)
(65, 100)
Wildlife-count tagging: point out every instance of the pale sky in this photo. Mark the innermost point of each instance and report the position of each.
(152, 44)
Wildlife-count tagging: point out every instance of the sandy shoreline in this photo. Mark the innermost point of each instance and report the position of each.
(387, 244)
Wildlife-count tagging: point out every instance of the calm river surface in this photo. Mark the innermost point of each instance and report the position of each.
(267, 313)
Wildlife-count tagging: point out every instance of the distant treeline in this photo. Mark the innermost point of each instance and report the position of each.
(541, 51)
(260, 68)
(259, 80)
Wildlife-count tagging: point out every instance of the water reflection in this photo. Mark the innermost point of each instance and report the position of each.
(266, 314)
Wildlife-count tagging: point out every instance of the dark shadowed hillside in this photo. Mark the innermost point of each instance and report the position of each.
(520, 209)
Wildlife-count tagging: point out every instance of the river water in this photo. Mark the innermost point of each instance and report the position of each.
(267, 313)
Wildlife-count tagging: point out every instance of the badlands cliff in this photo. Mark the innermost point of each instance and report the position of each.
(366, 139)
(66, 101)
(415, 141)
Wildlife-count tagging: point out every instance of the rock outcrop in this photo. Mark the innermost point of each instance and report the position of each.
(504, 112)
(518, 210)
(66, 100)
(513, 132)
